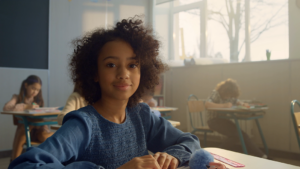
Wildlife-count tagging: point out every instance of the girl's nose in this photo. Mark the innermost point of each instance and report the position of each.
(123, 73)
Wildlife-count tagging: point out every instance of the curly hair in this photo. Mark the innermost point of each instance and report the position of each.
(83, 62)
(228, 88)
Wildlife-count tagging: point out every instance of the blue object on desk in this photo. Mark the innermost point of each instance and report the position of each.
(200, 159)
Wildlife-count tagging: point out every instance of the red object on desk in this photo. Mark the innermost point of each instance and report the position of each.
(227, 161)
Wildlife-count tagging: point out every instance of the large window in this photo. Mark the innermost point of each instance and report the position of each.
(221, 31)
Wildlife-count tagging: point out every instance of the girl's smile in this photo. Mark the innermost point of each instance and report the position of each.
(122, 86)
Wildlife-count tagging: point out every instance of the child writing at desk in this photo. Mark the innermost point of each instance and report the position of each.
(30, 97)
(114, 131)
(226, 95)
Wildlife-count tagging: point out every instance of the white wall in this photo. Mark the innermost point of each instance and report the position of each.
(11, 79)
(67, 20)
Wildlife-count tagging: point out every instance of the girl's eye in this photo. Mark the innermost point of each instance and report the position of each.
(111, 65)
(133, 66)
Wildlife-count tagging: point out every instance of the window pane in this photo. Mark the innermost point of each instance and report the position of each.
(225, 33)
(162, 28)
(186, 34)
(269, 32)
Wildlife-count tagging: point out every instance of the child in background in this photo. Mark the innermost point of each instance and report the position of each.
(30, 97)
(114, 131)
(74, 102)
(147, 98)
(226, 95)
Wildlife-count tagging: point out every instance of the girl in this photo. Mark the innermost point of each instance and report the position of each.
(114, 131)
(74, 102)
(30, 96)
(226, 95)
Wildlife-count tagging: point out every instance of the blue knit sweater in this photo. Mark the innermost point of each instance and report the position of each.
(87, 140)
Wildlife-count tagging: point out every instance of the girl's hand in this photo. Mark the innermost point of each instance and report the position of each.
(35, 105)
(166, 161)
(147, 162)
(214, 165)
(227, 105)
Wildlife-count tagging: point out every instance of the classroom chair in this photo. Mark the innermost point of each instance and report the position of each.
(195, 109)
(296, 120)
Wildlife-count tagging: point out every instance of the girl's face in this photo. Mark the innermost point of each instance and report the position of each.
(118, 71)
(32, 90)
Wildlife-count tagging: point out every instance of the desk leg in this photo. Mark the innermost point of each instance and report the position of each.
(27, 132)
(241, 136)
(262, 137)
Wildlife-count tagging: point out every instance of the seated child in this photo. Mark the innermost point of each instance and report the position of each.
(30, 97)
(147, 98)
(226, 95)
(114, 130)
(74, 102)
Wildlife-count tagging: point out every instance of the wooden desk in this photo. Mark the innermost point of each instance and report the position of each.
(243, 114)
(237, 110)
(250, 162)
(165, 111)
(26, 120)
(174, 123)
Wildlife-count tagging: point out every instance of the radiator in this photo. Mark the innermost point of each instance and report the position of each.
(246, 125)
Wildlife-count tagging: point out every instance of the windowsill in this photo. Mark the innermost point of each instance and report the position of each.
(196, 61)
(180, 63)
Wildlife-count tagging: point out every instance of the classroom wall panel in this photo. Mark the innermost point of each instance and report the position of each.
(276, 91)
(11, 79)
(269, 82)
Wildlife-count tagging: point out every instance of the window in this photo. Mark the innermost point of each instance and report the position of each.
(271, 31)
(214, 31)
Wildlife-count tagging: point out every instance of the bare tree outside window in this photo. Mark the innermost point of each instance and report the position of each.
(264, 15)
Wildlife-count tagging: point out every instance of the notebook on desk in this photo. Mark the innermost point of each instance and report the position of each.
(43, 110)
(249, 107)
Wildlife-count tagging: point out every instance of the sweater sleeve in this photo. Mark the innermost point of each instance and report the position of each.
(61, 150)
(13, 106)
(161, 136)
